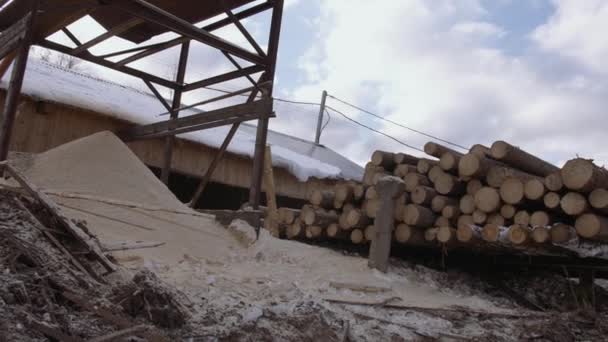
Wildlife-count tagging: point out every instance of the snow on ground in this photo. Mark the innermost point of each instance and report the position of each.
(52, 83)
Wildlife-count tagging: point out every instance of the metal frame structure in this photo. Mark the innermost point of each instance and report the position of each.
(16, 40)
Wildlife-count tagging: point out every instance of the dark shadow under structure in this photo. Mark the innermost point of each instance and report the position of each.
(24, 23)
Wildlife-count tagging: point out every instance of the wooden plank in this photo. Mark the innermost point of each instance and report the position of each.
(14, 35)
(260, 107)
(151, 13)
(155, 48)
(76, 231)
(272, 216)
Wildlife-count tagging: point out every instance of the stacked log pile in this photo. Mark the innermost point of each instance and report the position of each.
(491, 196)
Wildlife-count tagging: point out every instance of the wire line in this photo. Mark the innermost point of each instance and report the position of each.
(373, 129)
(396, 123)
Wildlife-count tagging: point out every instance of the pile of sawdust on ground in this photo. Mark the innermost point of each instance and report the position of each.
(98, 179)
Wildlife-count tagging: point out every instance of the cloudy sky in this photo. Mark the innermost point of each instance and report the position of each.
(532, 72)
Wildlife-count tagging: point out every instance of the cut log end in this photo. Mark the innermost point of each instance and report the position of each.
(490, 232)
(561, 233)
(552, 200)
(512, 191)
(446, 234)
(541, 235)
(487, 200)
(574, 204)
(518, 235)
(534, 189)
(553, 182)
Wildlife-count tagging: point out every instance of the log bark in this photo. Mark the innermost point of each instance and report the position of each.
(296, 230)
(371, 207)
(370, 172)
(473, 186)
(521, 159)
(552, 200)
(540, 235)
(497, 175)
(418, 216)
(480, 150)
(465, 221)
(474, 166)
(561, 233)
(518, 235)
(574, 204)
(439, 202)
(412, 180)
(404, 158)
(583, 176)
(437, 150)
(479, 217)
(507, 211)
(384, 159)
(522, 218)
(322, 198)
(592, 226)
(423, 195)
(344, 192)
(357, 237)
(400, 204)
(371, 193)
(512, 191)
(468, 234)
(357, 219)
(467, 204)
(496, 219)
(446, 234)
(553, 182)
(598, 199)
(487, 200)
(540, 218)
(314, 232)
(358, 191)
(430, 234)
(288, 215)
(490, 232)
(534, 189)
(446, 184)
(442, 221)
(403, 169)
(449, 161)
(435, 172)
(369, 232)
(334, 231)
(424, 165)
(405, 234)
(450, 212)
(318, 217)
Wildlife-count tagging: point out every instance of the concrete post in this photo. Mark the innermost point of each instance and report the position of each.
(320, 121)
(389, 189)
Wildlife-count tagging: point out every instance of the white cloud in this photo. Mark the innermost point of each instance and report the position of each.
(402, 60)
(577, 30)
(479, 28)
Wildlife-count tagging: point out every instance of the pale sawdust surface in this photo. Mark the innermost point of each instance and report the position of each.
(231, 280)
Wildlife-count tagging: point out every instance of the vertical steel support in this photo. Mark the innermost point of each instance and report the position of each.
(262, 129)
(14, 88)
(177, 100)
(320, 121)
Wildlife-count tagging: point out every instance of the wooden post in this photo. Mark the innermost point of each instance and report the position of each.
(272, 215)
(389, 189)
(262, 129)
(177, 100)
(15, 84)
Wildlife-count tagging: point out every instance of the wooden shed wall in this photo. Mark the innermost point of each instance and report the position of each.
(40, 126)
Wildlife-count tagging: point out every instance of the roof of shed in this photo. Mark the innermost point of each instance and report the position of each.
(302, 158)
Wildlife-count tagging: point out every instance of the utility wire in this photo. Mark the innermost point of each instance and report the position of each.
(396, 123)
(373, 129)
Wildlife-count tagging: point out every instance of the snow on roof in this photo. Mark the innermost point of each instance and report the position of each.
(300, 157)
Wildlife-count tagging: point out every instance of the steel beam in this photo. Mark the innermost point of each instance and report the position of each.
(225, 77)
